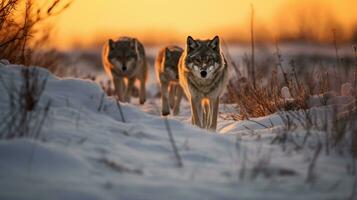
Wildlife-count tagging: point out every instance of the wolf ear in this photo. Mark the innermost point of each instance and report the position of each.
(111, 44)
(214, 43)
(191, 43)
(167, 53)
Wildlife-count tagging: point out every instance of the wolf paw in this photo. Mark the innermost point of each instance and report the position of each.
(165, 113)
(142, 101)
(176, 112)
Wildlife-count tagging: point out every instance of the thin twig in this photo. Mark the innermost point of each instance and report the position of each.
(173, 144)
(100, 107)
(120, 110)
(310, 172)
(250, 120)
(252, 45)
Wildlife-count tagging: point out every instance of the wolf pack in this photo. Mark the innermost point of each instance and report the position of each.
(199, 71)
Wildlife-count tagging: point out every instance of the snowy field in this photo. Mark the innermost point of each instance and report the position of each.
(86, 150)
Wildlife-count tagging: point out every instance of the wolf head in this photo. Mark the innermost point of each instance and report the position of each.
(203, 57)
(172, 57)
(123, 54)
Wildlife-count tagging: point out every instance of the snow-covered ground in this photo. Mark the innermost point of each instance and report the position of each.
(86, 151)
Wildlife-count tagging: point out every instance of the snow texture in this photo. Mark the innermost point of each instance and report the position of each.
(86, 151)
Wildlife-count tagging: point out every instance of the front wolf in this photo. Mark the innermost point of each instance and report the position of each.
(125, 59)
(167, 73)
(203, 75)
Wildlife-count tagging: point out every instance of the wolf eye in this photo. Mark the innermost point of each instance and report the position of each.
(196, 60)
(131, 56)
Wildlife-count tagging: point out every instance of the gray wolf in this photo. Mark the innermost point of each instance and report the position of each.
(167, 72)
(125, 62)
(203, 74)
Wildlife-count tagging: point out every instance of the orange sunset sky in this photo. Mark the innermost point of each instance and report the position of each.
(167, 20)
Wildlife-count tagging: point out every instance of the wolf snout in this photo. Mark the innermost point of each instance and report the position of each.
(124, 68)
(203, 74)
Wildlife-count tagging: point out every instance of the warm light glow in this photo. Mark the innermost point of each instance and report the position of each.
(165, 20)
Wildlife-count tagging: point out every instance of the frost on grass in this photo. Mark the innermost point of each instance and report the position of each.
(84, 149)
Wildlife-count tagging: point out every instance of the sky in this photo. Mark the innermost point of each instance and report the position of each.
(165, 20)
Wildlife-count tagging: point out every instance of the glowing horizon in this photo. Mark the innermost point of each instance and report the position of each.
(166, 20)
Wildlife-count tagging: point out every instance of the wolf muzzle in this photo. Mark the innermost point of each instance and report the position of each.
(203, 74)
(124, 68)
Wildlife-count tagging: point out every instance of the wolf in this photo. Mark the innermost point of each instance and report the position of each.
(203, 75)
(166, 65)
(124, 61)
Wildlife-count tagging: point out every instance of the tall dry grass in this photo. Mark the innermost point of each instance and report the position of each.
(305, 81)
(24, 31)
(303, 77)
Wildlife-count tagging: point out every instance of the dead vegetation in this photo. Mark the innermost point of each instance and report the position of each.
(25, 31)
(280, 84)
(265, 97)
(24, 116)
(24, 34)
(291, 89)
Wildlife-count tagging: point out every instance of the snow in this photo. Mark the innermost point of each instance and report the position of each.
(86, 151)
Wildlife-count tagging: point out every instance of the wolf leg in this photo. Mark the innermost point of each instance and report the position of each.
(142, 91)
(129, 89)
(165, 107)
(196, 111)
(143, 78)
(119, 87)
(199, 112)
(214, 114)
(206, 113)
(179, 93)
(172, 94)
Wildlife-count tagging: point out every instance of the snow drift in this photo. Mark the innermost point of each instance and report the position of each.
(86, 150)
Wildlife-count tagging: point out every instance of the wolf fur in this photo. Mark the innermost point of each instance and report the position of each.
(203, 73)
(125, 62)
(167, 72)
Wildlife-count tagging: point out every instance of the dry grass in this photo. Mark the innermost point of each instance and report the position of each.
(265, 98)
(23, 38)
(24, 31)
(261, 94)
(25, 116)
